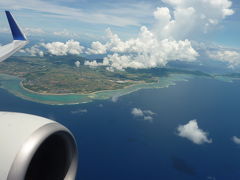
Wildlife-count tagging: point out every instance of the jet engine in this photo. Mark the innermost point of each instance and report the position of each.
(35, 148)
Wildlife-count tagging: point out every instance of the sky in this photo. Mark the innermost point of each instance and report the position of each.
(129, 33)
(84, 18)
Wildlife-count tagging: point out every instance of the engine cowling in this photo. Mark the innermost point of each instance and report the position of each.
(35, 148)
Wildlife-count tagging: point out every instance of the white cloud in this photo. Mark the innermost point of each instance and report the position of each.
(236, 139)
(60, 49)
(97, 48)
(93, 63)
(148, 118)
(56, 48)
(146, 114)
(146, 51)
(77, 64)
(137, 112)
(228, 56)
(188, 16)
(167, 40)
(192, 132)
(33, 51)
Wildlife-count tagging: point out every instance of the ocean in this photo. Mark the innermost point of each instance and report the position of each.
(115, 145)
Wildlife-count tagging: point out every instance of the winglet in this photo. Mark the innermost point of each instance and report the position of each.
(16, 32)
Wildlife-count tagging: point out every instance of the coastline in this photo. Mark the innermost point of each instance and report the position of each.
(87, 94)
(14, 85)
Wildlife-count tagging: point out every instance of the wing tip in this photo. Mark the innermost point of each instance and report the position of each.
(16, 31)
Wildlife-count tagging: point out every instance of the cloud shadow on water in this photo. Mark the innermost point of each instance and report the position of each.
(182, 166)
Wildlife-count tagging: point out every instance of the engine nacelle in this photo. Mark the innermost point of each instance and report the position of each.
(35, 148)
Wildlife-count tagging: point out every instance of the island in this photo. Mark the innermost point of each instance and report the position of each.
(57, 80)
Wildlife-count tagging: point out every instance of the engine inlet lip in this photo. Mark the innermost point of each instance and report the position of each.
(30, 146)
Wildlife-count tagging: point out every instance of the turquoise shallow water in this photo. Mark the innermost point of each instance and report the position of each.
(12, 84)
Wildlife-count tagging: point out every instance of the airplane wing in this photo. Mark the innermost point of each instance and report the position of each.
(19, 39)
(33, 147)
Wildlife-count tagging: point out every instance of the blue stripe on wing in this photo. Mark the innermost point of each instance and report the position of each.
(16, 32)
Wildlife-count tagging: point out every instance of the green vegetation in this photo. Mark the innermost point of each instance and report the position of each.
(59, 75)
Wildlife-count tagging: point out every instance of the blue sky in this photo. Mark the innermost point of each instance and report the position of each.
(88, 19)
(130, 33)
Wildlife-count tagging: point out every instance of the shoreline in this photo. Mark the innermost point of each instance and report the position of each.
(16, 87)
(84, 94)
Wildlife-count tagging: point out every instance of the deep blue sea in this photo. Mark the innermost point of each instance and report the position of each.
(115, 145)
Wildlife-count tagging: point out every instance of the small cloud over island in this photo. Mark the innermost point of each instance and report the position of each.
(77, 63)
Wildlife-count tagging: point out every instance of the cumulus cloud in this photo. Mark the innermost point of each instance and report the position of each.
(55, 48)
(146, 114)
(33, 51)
(188, 16)
(192, 132)
(97, 48)
(77, 64)
(93, 63)
(232, 58)
(137, 112)
(167, 40)
(146, 51)
(60, 48)
(236, 139)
